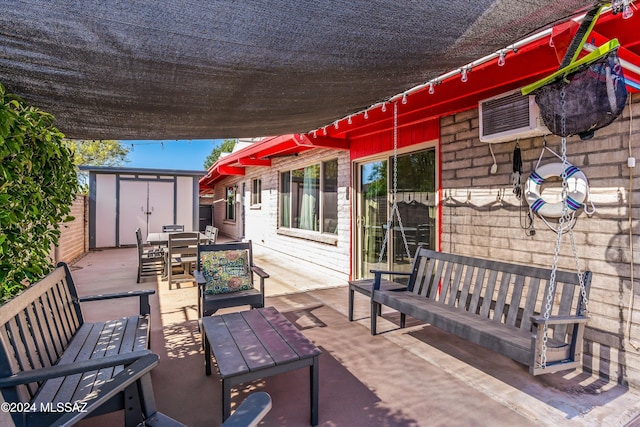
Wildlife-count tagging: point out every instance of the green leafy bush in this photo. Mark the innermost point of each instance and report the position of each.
(37, 185)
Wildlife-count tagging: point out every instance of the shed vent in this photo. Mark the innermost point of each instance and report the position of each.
(508, 117)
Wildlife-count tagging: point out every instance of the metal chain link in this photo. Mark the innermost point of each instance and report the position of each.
(563, 217)
(394, 205)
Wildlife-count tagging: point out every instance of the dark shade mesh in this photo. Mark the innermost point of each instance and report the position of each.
(588, 99)
(213, 69)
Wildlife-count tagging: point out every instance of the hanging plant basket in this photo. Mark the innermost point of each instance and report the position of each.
(594, 96)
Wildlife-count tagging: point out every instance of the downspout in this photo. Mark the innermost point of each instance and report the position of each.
(631, 164)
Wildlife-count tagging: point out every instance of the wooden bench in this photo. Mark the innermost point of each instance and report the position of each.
(49, 356)
(495, 304)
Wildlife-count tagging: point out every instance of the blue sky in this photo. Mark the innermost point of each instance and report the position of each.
(169, 154)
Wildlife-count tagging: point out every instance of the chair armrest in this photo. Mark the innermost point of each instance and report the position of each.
(251, 411)
(124, 379)
(260, 272)
(200, 280)
(558, 320)
(378, 277)
(393, 273)
(56, 371)
(145, 308)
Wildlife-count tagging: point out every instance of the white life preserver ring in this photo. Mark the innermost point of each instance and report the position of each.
(577, 187)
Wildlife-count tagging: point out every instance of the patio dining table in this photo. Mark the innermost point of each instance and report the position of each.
(162, 239)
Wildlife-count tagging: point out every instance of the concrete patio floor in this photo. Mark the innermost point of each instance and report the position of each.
(417, 376)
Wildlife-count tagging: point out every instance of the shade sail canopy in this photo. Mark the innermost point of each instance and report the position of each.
(109, 69)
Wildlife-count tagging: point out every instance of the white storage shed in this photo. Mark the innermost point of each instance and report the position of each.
(123, 199)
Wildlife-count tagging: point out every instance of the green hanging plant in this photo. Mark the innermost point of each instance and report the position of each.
(37, 185)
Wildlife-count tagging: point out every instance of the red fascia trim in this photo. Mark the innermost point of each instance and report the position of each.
(245, 161)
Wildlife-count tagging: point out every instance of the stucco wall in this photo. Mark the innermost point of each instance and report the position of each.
(261, 222)
(482, 217)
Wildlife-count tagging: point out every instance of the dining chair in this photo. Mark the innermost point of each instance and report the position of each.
(225, 277)
(150, 261)
(181, 253)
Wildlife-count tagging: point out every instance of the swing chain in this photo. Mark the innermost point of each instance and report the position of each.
(563, 217)
(394, 205)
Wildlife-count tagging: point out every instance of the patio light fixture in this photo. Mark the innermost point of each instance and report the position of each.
(501, 60)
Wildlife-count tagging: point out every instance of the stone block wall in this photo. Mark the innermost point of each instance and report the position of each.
(74, 238)
(482, 217)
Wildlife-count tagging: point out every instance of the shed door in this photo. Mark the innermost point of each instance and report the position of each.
(146, 205)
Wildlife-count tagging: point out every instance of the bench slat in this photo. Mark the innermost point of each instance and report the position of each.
(9, 365)
(530, 304)
(51, 334)
(93, 379)
(477, 288)
(417, 281)
(501, 299)
(26, 336)
(77, 350)
(485, 308)
(61, 326)
(466, 286)
(455, 284)
(514, 304)
(445, 283)
(43, 347)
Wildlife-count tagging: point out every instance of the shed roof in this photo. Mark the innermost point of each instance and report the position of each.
(141, 171)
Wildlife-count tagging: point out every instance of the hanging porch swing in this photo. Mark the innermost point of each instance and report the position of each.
(582, 96)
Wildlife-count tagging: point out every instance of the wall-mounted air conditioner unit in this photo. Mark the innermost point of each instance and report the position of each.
(510, 116)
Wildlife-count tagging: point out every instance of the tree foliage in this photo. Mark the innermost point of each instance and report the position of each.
(96, 153)
(37, 186)
(225, 146)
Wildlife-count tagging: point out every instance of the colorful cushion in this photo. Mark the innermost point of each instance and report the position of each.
(226, 271)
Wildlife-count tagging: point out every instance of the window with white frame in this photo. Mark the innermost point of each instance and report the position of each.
(309, 198)
(256, 191)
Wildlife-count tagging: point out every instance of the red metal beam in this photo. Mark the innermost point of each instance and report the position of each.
(230, 170)
(318, 141)
(251, 161)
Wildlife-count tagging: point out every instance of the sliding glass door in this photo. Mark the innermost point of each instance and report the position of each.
(416, 209)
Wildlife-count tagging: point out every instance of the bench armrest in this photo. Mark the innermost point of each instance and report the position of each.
(251, 411)
(558, 320)
(378, 277)
(56, 371)
(145, 308)
(124, 379)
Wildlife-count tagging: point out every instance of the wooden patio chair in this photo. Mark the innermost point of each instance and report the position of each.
(211, 234)
(172, 227)
(181, 253)
(225, 277)
(150, 261)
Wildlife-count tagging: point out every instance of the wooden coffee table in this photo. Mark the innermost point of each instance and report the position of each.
(255, 344)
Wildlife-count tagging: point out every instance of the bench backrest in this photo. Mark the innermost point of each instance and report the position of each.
(36, 327)
(504, 292)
